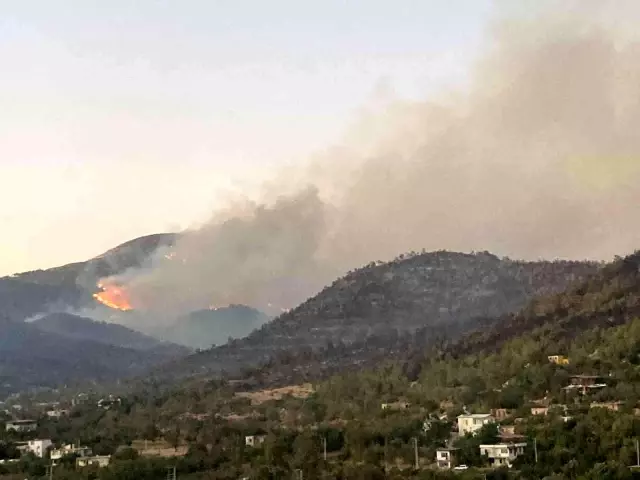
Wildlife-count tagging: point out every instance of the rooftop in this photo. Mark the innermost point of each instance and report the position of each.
(474, 415)
(505, 444)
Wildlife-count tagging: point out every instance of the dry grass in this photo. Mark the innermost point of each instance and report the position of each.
(158, 449)
(261, 396)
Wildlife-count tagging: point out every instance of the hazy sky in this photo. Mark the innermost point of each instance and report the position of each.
(120, 118)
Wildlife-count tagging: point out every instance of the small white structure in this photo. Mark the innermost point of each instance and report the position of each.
(100, 461)
(446, 458)
(472, 422)
(38, 447)
(58, 413)
(502, 454)
(254, 440)
(395, 406)
(21, 426)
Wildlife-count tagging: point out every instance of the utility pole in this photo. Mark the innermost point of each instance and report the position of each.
(535, 449)
(385, 455)
(637, 454)
(415, 452)
(324, 446)
(171, 473)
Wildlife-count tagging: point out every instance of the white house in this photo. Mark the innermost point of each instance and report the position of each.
(58, 413)
(502, 454)
(100, 461)
(39, 447)
(446, 458)
(254, 440)
(472, 422)
(21, 426)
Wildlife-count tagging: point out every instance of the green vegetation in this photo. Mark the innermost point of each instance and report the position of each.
(372, 421)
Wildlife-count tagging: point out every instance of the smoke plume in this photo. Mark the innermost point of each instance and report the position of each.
(538, 157)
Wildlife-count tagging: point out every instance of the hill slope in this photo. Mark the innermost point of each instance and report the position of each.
(204, 328)
(81, 328)
(443, 291)
(72, 286)
(72, 348)
(30, 357)
(609, 298)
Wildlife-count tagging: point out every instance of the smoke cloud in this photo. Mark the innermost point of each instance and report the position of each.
(538, 157)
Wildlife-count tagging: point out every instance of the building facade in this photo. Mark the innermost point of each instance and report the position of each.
(21, 426)
(471, 423)
(446, 458)
(254, 440)
(502, 454)
(99, 461)
(39, 447)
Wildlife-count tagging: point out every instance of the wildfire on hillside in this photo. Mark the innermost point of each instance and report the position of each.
(114, 297)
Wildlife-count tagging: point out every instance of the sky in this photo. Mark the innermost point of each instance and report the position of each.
(121, 118)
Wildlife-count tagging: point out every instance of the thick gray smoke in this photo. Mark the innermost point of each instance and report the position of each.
(251, 254)
(538, 157)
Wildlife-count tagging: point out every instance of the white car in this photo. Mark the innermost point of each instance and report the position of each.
(461, 467)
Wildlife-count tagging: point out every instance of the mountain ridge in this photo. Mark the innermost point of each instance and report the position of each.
(441, 291)
(83, 328)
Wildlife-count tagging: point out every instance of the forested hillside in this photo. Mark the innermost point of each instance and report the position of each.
(441, 292)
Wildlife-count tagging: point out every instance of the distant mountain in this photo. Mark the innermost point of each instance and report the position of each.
(31, 357)
(86, 329)
(206, 328)
(441, 292)
(70, 286)
(63, 348)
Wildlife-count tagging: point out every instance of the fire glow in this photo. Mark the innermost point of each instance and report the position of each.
(114, 297)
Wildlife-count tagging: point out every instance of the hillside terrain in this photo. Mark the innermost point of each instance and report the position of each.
(560, 377)
(81, 328)
(60, 348)
(25, 295)
(31, 357)
(206, 328)
(442, 293)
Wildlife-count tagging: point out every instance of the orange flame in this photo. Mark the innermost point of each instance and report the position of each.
(114, 297)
